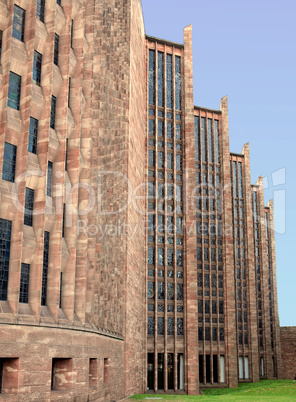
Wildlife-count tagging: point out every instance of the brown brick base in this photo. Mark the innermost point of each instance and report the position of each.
(288, 343)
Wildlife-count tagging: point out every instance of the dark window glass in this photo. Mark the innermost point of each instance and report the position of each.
(29, 204)
(160, 80)
(64, 216)
(66, 155)
(203, 140)
(178, 82)
(1, 35)
(40, 9)
(56, 49)
(210, 141)
(207, 333)
(37, 68)
(150, 256)
(217, 146)
(200, 333)
(72, 29)
(170, 288)
(214, 334)
(214, 307)
(151, 127)
(151, 158)
(170, 257)
(207, 306)
(151, 77)
(33, 133)
(150, 290)
(45, 269)
(19, 23)
(180, 326)
(221, 332)
(221, 307)
(61, 290)
(179, 291)
(53, 112)
(24, 283)
(150, 327)
(49, 179)
(170, 326)
(180, 258)
(169, 81)
(234, 179)
(14, 91)
(9, 161)
(160, 256)
(197, 150)
(160, 325)
(5, 237)
(160, 291)
(59, 2)
(69, 91)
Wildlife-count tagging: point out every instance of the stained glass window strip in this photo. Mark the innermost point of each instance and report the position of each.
(210, 141)
(170, 325)
(151, 77)
(49, 179)
(180, 330)
(170, 292)
(160, 325)
(234, 179)
(240, 180)
(160, 128)
(160, 159)
(18, 31)
(56, 49)
(9, 162)
(150, 327)
(169, 160)
(179, 162)
(217, 145)
(5, 239)
(45, 268)
(14, 91)
(160, 80)
(178, 132)
(29, 204)
(1, 35)
(37, 68)
(33, 134)
(169, 81)
(150, 290)
(160, 291)
(53, 112)
(178, 82)
(151, 158)
(196, 133)
(203, 140)
(24, 283)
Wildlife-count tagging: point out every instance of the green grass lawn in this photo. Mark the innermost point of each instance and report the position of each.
(265, 390)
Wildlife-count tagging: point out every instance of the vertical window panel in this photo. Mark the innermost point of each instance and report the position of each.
(24, 283)
(151, 77)
(178, 82)
(234, 179)
(40, 10)
(56, 49)
(5, 239)
(197, 148)
(9, 162)
(1, 36)
(49, 179)
(169, 81)
(14, 91)
(19, 16)
(240, 180)
(160, 80)
(37, 68)
(29, 205)
(203, 140)
(53, 112)
(210, 141)
(217, 145)
(33, 134)
(72, 31)
(45, 269)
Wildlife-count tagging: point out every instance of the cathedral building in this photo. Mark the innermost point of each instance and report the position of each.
(135, 253)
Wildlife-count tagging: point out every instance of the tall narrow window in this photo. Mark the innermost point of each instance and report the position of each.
(217, 147)
(40, 10)
(33, 133)
(197, 148)
(9, 161)
(151, 77)
(59, 2)
(169, 81)
(56, 49)
(14, 90)
(203, 140)
(178, 82)
(210, 141)
(45, 268)
(49, 179)
(37, 68)
(1, 35)
(61, 290)
(69, 91)
(19, 23)
(64, 217)
(24, 283)
(160, 80)
(53, 111)
(29, 204)
(66, 155)
(5, 238)
(72, 30)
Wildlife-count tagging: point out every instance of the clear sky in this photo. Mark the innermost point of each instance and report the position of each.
(247, 50)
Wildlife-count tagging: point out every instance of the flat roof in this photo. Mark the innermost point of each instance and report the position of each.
(164, 41)
(208, 109)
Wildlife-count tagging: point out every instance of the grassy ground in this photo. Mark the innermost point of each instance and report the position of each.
(266, 390)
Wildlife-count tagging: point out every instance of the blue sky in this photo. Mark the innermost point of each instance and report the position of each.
(247, 50)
